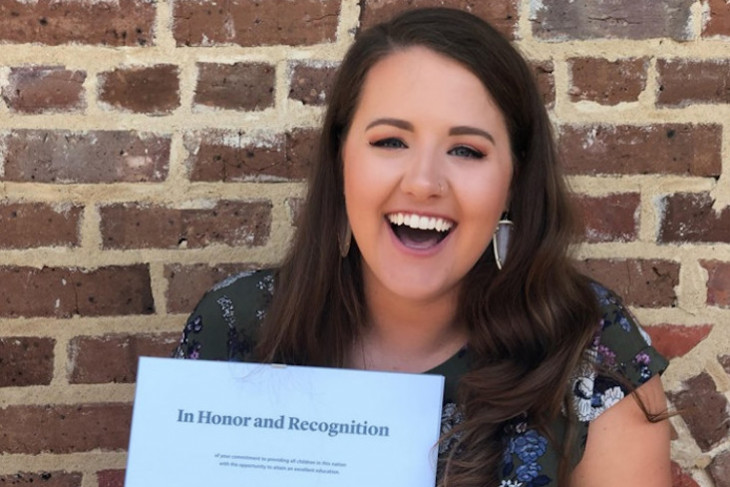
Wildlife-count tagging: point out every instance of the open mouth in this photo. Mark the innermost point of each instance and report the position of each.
(417, 231)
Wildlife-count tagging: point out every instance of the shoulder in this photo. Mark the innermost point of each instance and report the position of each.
(224, 324)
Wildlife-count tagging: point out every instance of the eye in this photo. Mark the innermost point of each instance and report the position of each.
(467, 152)
(389, 143)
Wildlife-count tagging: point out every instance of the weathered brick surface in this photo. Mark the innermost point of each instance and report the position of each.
(26, 361)
(239, 86)
(38, 89)
(110, 478)
(45, 479)
(607, 82)
(254, 23)
(139, 226)
(187, 283)
(677, 340)
(295, 205)
(689, 217)
(502, 15)
(64, 292)
(685, 149)
(56, 22)
(64, 428)
(141, 89)
(113, 358)
(310, 82)
(609, 218)
(718, 282)
(684, 82)
(704, 409)
(642, 283)
(719, 469)
(30, 225)
(545, 81)
(61, 156)
(229, 156)
(718, 23)
(680, 478)
(559, 20)
(725, 362)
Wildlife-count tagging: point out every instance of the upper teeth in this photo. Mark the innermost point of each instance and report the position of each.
(420, 222)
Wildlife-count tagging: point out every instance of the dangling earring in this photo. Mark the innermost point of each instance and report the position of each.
(501, 238)
(344, 237)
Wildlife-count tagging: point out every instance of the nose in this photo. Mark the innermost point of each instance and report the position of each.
(423, 176)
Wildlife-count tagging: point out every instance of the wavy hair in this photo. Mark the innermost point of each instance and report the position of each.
(529, 324)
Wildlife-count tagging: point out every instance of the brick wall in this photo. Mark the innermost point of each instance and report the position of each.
(147, 149)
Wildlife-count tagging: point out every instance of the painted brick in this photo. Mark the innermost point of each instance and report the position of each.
(110, 478)
(45, 479)
(543, 71)
(607, 82)
(56, 22)
(239, 86)
(718, 282)
(502, 15)
(231, 157)
(684, 82)
(254, 23)
(62, 156)
(154, 90)
(704, 409)
(564, 20)
(113, 358)
(684, 149)
(63, 292)
(641, 283)
(39, 89)
(719, 469)
(680, 478)
(26, 361)
(677, 340)
(610, 218)
(311, 83)
(31, 225)
(718, 22)
(187, 283)
(140, 226)
(725, 362)
(64, 428)
(689, 217)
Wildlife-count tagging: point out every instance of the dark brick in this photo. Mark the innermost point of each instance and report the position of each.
(684, 82)
(64, 428)
(719, 21)
(641, 283)
(610, 218)
(311, 82)
(677, 340)
(295, 205)
(63, 292)
(718, 282)
(61, 156)
(187, 283)
(56, 22)
(680, 478)
(684, 149)
(31, 225)
(239, 86)
(704, 409)
(607, 82)
(110, 478)
(139, 226)
(40, 89)
(26, 361)
(45, 479)
(255, 23)
(689, 217)
(543, 71)
(719, 469)
(154, 90)
(566, 20)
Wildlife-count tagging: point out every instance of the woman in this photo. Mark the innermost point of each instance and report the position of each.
(435, 239)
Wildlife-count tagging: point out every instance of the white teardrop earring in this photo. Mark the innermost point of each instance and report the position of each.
(501, 239)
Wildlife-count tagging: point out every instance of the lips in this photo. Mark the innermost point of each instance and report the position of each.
(419, 232)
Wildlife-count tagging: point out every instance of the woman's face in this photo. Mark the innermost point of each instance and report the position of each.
(427, 171)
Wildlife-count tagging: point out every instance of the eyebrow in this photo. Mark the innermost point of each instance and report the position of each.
(466, 130)
(395, 122)
(458, 130)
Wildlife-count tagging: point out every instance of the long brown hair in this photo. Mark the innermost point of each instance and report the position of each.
(528, 324)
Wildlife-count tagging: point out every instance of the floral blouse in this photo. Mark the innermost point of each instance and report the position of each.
(223, 327)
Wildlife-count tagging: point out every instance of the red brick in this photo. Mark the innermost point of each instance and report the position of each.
(684, 149)
(63, 292)
(64, 428)
(296, 206)
(684, 82)
(26, 361)
(502, 15)
(239, 86)
(31, 225)
(564, 20)
(44, 479)
(543, 71)
(311, 82)
(677, 340)
(719, 20)
(641, 283)
(56, 22)
(680, 478)
(40, 89)
(607, 82)
(154, 90)
(255, 23)
(62, 156)
(110, 478)
(113, 358)
(704, 409)
(718, 282)
(689, 217)
(610, 218)
(139, 226)
(187, 283)
(719, 469)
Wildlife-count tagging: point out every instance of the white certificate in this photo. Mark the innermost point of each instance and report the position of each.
(202, 423)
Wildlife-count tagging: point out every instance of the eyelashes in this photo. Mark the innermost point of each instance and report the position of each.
(389, 143)
(463, 151)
